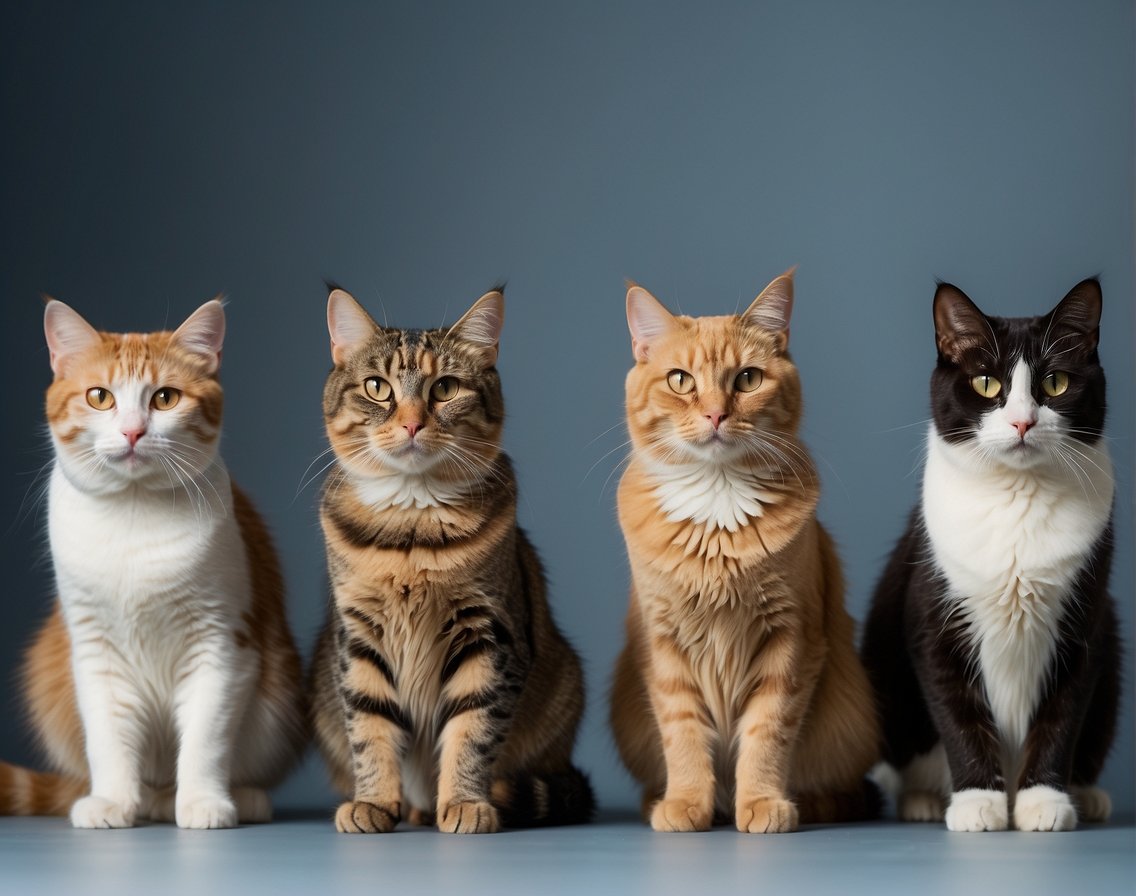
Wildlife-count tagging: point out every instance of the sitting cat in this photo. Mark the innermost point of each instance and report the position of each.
(165, 682)
(739, 693)
(443, 690)
(992, 642)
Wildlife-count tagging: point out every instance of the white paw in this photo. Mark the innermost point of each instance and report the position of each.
(253, 805)
(99, 812)
(978, 810)
(920, 805)
(1042, 808)
(1093, 804)
(206, 812)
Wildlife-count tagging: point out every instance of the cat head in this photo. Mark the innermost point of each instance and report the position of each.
(134, 408)
(712, 389)
(415, 401)
(1019, 391)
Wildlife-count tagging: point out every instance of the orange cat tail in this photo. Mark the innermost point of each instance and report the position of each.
(25, 792)
(863, 804)
(544, 800)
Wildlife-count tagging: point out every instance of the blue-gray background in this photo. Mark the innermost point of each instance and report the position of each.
(153, 155)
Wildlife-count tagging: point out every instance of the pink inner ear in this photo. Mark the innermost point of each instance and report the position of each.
(67, 333)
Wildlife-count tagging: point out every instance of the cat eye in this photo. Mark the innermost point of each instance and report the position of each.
(377, 388)
(986, 386)
(680, 381)
(1055, 383)
(165, 398)
(444, 389)
(748, 380)
(100, 399)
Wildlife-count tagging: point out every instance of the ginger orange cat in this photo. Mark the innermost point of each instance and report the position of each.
(738, 693)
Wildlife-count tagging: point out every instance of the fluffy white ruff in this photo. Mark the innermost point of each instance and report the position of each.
(1042, 808)
(978, 810)
(724, 494)
(408, 491)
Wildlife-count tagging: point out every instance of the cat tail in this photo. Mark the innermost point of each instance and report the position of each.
(26, 792)
(545, 799)
(862, 804)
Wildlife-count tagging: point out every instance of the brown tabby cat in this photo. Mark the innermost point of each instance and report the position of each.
(165, 682)
(739, 691)
(443, 689)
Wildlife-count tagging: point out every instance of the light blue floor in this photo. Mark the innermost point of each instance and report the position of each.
(303, 854)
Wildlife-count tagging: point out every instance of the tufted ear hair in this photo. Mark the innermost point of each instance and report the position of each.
(1079, 314)
(959, 324)
(482, 324)
(348, 325)
(67, 332)
(647, 319)
(773, 308)
(203, 333)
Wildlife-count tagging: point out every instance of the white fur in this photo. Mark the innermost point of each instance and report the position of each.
(726, 494)
(978, 810)
(408, 491)
(1042, 808)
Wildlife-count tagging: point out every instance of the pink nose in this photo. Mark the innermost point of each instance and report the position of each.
(412, 428)
(716, 418)
(1023, 427)
(133, 435)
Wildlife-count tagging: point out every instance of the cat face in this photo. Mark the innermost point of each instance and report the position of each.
(414, 401)
(130, 408)
(1019, 392)
(713, 389)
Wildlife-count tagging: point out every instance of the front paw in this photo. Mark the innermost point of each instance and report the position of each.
(1093, 803)
(1042, 808)
(978, 810)
(681, 815)
(205, 813)
(98, 812)
(361, 817)
(767, 816)
(468, 818)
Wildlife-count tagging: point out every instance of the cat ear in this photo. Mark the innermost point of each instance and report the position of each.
(959, 324)
(348, 324)
(482, 324)
(204, 332)
(647, 319)
(1080, 312)
(67, 333)
(772, 309)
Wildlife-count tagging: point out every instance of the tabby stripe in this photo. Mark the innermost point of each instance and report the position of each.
(360, 651)
(484, 699)
(388, 709)
(466, 653)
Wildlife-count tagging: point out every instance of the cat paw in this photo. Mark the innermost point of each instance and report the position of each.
(421, 817)
(205, 813)
(361, 817)
(920, 805)
(253, 805)
(1093, 804)
(1042, 808)
(680, 815)
(99, 812)
(767, 816)
(978, 810)
(468, 818)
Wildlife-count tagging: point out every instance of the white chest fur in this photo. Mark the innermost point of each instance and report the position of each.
(1010, 543)
(725, 495)
(408, 491)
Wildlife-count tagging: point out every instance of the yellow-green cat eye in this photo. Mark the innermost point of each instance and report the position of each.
(100, 399)
(748, 380)
(444, 389)
(1055, 383)
(165, 398)
(377, 388)
(986, 386)
(680, 381)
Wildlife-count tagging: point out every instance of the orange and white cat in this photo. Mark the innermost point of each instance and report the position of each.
(738, 694)
(165, 682)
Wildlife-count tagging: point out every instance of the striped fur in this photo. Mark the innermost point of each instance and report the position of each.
(443, 691)
(165, 682)
(738, 694)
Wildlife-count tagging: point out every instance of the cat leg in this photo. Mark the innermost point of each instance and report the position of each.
(1099, 728)
(254, 806)
(926, 784)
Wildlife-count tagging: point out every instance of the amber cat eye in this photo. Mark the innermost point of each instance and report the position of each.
(444, 389)
(1055, 383)
(100, 399)
(165, 398)
(377, 388)
(986, 386)
(748, 380)
(680, 381)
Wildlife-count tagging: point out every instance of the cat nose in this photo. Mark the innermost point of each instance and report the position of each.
(133, 435)
(412, 427)
(716, 418)
(1022, 426)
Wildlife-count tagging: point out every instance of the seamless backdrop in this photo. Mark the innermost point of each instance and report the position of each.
(156, 154)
